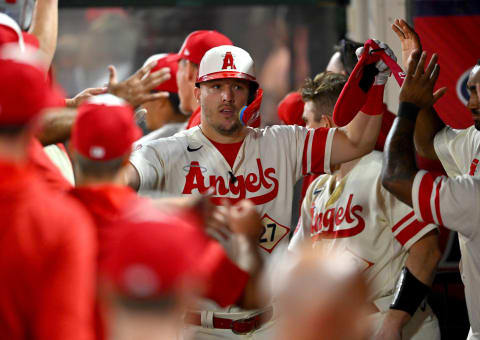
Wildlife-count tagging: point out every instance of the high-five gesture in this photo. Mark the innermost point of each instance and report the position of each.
(138, 88)
(408, 38)
(419, 83)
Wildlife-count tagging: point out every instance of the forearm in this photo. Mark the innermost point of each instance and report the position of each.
(423, 258)
(399, 164)
(56, 126)
(250, 261)
(427, 126)
(356, 139)
(45, 26)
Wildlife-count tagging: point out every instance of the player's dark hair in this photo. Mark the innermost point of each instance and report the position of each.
(323, 90)
(175, 101)
(12, 130)
(347, 49)
(98, 169)
(478, 62)
(161, 305)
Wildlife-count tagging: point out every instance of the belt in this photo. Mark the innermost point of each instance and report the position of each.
(239, 326)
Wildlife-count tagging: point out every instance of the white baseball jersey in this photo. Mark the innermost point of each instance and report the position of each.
(269, 163)
(359, 216)
(454, 203)
(459, 151)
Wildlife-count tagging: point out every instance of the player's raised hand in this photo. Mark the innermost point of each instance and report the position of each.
(244, 219)
(419, 82)
(408, 38)
(137, 89)
(84, 95)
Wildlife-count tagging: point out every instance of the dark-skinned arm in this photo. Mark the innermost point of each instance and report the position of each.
(399, 166)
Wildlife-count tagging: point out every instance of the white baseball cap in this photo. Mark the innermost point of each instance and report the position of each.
(224, 62)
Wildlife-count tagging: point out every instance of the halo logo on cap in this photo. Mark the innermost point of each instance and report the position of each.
(97, 152)
(462, 92)
(141, 280)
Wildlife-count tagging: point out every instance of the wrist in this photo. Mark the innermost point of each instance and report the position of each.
(396, 319)
(374, 104)
(408, 111)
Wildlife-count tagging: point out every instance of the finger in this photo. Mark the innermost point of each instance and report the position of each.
(143, 71)
(156, 78)
(398, 32)
(112, 79)
(151, 97)
(431, 65)
(420, 69)
(439, 94)
(98, 90)
(434, 75)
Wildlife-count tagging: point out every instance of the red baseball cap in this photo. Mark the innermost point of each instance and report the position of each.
(290, 109)
(25, 92)
(166, 60)
(151, 259)
(199, 42)
(105, 128)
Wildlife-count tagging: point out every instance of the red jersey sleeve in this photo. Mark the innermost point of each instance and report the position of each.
(317, 151)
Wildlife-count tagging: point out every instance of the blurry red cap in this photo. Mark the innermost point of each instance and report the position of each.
(105, 128)
(25, 92)
(290, 109)
(151, 259)
(199, 42)
(166, 60)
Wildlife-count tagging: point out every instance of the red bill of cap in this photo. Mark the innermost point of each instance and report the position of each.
(199, 42)
(103, 132)
(170, 61)
(25, 92)
(290, 109)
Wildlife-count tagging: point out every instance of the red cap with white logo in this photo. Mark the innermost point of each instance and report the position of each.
(105, 128)
(226, 62)
(165, 60)
(199, 42)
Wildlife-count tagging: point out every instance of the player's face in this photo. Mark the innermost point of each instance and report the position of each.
(221, 100)
(474, 101)
(312, 110)
(185, 86)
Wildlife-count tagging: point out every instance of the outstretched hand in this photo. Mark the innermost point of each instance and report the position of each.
(84, 95)
(408, 38)
(419, 83)
(137, 89)
(244, 219)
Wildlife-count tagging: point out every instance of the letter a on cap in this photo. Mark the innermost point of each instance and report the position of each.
(228, 62)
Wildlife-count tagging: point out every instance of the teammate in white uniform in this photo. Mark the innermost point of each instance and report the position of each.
(452, 202)
(239, 162)
(349, 211)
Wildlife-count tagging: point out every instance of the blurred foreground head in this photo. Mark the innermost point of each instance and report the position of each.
(148, 276)
(324, 298)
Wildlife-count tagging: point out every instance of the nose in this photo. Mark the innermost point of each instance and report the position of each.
(473, 102)
(227, 94)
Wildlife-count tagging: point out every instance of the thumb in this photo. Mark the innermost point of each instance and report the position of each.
(112, 80)
(439, 94)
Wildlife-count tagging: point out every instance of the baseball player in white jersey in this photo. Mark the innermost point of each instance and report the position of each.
(241, 162)
(349, 211)
(451, 202)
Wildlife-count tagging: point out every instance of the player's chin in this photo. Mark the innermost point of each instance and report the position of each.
(228, 129)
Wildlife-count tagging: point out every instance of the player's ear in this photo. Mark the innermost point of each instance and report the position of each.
(192, 71)
(196, 93)
(326, 122)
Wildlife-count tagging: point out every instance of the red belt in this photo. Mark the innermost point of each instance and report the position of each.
(240, 326)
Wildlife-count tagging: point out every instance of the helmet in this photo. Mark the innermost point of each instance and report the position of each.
(19, 10)
(226, 62)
